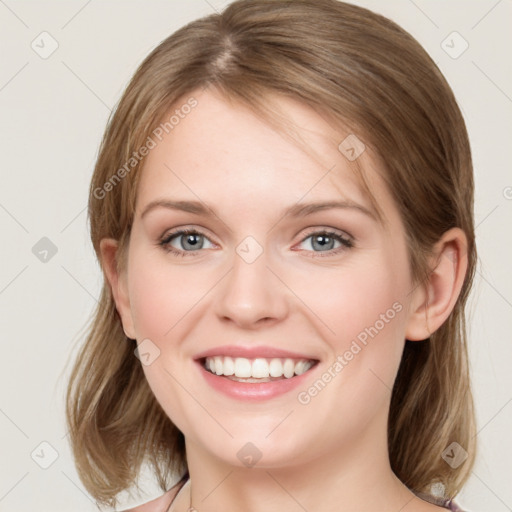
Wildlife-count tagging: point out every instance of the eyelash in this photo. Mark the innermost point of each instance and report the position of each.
(346, 242)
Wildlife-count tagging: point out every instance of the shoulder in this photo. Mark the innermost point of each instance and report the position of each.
(160, 504)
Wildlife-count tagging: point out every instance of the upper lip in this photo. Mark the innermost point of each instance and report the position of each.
(251, 352)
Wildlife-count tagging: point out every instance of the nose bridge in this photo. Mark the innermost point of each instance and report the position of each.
(251, 292)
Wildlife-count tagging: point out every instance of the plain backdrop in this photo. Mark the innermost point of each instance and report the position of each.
(53, 110)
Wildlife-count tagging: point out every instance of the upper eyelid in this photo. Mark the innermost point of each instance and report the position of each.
(336, 231)
(183, 230)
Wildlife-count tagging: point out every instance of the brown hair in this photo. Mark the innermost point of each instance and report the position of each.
(367, 74)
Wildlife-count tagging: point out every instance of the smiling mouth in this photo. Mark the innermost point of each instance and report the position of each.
(259, 369)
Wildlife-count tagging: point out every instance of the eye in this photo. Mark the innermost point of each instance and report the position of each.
(185, 241)
(189, 242)
(329, 242)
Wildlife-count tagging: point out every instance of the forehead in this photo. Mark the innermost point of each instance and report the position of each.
(221, 150)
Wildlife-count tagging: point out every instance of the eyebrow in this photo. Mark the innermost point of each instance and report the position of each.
(296, 210)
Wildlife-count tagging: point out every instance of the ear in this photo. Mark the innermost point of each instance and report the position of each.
(118, 283)
(433, 301)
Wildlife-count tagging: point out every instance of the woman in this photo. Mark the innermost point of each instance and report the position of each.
(282, 208)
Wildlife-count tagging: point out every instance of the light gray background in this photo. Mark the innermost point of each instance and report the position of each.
(53, 113)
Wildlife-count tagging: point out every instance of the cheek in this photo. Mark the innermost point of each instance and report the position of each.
(162, 299)
(363, 310)
(368, 318)
(161, 295)
(353, 300)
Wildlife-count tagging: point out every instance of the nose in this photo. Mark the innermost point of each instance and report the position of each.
(252, 294)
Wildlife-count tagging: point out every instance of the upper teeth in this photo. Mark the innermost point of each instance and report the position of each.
(257, 368)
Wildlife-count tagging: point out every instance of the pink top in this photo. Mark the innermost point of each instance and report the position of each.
(440, 502)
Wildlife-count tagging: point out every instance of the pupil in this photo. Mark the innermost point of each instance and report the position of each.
(323, 240)
(192, 240)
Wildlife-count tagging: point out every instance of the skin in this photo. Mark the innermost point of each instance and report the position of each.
(330, 454)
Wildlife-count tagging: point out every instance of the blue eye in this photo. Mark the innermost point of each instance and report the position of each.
(189, 240)
(325, 241)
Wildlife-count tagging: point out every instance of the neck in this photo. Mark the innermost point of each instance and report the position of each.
(355, 477)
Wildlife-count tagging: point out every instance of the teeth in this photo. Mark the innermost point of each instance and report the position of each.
(288, 368)
(300, 368)
(275, 368)
(228, 367)
(217, 362)
(242, 367)
(259, 368)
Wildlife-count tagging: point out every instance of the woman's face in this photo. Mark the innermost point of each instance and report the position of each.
(269, 281)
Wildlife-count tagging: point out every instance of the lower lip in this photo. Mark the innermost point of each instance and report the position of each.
(252, 390)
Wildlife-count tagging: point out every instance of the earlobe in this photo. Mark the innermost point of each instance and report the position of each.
(117, 282)
(433, 302)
